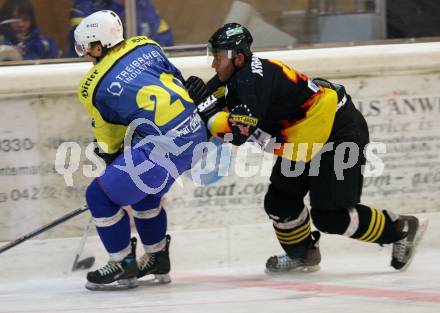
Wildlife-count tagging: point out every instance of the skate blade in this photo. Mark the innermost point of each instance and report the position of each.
(122, 284)
(423, 225)
(158, 279)
(301, 269)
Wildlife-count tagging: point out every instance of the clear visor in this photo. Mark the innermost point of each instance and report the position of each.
(82, 48)
(218, 57)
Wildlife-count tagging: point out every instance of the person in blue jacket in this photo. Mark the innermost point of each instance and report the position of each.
(149, 23)
(134, 92)
(22, 32)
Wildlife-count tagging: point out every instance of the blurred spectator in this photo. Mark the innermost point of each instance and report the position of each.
(149, 23)
(21, 31)
(413, 18)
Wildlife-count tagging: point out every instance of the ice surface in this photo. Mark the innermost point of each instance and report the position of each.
(221, 270)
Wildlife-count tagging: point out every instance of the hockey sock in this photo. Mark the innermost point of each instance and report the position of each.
(294, 234)
(371, 225)
(112, 222)
(151, 225)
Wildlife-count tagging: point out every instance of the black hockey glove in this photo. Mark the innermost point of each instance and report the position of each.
(107, 157)
(197, 89)
(208, 108)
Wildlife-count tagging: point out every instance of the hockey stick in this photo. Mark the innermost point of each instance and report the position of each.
(43, 228)
(87, 262)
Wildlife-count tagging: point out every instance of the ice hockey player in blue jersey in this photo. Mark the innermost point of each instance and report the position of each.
(133, 90)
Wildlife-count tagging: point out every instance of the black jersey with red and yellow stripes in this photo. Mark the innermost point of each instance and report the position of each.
(269, 102)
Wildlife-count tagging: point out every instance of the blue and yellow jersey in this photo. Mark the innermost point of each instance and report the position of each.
(136, 81)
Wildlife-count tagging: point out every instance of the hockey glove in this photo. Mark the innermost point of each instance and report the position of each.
(197, 89)
(107, 157)
(208, 108)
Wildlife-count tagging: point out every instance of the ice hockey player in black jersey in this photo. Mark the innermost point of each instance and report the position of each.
(319, 137)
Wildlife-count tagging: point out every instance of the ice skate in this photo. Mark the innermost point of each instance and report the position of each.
(115, 275)
(156, 264)
(404, 249)
(307, 261)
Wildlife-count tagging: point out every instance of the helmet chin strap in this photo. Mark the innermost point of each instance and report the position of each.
(236, 68)
(94, 57)
(98, 58)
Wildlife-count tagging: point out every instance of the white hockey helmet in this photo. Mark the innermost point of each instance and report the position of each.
(103, 26)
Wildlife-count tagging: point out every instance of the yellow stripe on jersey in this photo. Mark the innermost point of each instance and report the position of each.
(315, 128)
(112, 135)
(291, 74)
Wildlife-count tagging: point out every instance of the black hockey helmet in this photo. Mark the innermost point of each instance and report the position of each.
(231, 36)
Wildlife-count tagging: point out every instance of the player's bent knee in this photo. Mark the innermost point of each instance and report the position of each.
(281, 206)
(330, 221)
(99, 204)
(92, 193)
(274, 203)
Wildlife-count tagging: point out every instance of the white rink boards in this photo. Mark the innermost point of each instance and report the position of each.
(221, 236)
(395, 86)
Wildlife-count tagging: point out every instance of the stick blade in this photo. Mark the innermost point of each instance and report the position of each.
(83, 264)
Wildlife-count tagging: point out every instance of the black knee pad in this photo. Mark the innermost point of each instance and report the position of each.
(280, 205)
(330, 221)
